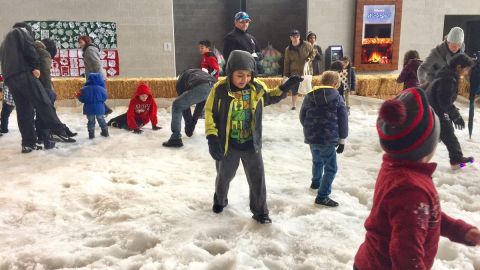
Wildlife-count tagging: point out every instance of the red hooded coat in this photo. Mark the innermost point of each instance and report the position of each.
(139, 111)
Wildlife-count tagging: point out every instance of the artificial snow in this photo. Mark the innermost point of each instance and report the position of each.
(126, 202)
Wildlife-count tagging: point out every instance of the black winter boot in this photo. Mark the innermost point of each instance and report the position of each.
(91, 134)
(262, 219)
(173, 143)
(104, 132)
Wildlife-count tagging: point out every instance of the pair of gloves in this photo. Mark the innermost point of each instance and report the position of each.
(139, 131)
(215, 147)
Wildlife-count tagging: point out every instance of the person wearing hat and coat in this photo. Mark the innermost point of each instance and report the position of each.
(312, 38)
(440, 56)
(239, 39)
(298, 55)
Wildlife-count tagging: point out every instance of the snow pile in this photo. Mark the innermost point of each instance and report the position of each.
(126, 202)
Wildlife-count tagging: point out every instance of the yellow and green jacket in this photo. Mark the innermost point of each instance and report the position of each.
(218, 110)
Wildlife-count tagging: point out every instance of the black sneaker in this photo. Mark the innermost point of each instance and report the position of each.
(326, 201)
(314, 185)
(27, 149)
(173, 143)
(462, 163)
(69, 133)
(104, 133)
(189, 128)
(91, 134)
(217, 209)
(62, 137)
(262, 219)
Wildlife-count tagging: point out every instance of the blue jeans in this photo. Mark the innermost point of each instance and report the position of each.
(195, 95)
(324, 169)
(91, 122)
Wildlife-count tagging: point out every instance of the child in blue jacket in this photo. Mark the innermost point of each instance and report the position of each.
(324, 119)
(94, 95)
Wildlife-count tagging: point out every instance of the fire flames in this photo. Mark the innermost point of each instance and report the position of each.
(375, 57)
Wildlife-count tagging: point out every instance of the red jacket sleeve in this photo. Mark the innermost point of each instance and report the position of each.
(131, 122)
(408, 211)
(213, 64)
(455, 229)
(153, 113)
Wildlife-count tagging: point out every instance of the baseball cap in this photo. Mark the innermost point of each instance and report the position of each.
(295, 32)
(242, 16)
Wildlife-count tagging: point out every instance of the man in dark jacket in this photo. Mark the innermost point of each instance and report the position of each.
(239, 39)
(441, 94)
(440, 56)
(324, 119)
(193, 87)
(20, 67)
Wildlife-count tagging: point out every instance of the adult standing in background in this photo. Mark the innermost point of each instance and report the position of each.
(91, 59)
(21, 70)
(239, 39)
(440, 56)
(298, 57)
(312, 38)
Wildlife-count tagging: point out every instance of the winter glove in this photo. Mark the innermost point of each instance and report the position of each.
(340, 148)
(290, 83)
(137, 131)
(459, 123)
(214, 147)
(156, 127)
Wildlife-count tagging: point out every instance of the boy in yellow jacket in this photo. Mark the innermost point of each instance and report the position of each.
(233, 125)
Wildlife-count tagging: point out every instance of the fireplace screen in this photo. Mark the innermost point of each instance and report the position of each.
(377, 38)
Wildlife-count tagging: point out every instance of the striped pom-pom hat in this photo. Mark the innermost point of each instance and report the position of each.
(407, 126)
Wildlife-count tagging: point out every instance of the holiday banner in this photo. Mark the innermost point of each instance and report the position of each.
(69, 63)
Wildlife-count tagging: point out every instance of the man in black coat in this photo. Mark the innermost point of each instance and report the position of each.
(239, 39)
(21, 70)
(441, 94)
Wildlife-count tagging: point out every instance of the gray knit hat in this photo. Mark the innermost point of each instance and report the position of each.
(455, 35)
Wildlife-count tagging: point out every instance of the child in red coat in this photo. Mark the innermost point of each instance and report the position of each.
(406, 220)
(209, 62)
(141, 110)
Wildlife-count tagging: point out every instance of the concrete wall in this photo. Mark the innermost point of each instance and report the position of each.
(143, 27)
(422, 22)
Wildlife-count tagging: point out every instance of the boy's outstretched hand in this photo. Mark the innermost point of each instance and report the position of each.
(137, 131)
(473, 236)
(156, 127)
(214, 147)
(291, 83)
(340, 148)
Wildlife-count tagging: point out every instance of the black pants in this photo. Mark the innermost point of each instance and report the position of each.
(447, 136)
(197, 112)
(5, 114)
(121, 122)
(30, 97)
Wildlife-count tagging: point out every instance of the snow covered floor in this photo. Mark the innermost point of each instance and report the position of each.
(128, 203)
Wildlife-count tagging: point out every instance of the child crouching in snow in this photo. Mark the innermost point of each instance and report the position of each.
(141, 110)
(93, 96)
(324, 119)
(233, 125)
(406, 220)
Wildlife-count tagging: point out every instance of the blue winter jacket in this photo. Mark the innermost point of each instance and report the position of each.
(93, 95)
(324, 117)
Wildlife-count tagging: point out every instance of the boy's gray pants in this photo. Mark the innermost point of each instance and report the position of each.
(253, 165)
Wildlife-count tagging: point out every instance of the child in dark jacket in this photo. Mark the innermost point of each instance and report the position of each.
(233, 125)
(406, 220)
(324, 119)
(442, 93)
(408, 76)
(141, 110)
(94, 95)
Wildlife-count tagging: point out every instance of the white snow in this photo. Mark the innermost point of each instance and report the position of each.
(126, 202)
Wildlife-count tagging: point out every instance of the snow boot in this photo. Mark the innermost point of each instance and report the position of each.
(326, 201)
(217, 209)
(262, 219)
(189, 128)
(29, 148)
(91, 134)
(173, 143)
(462, 163)
(104, 132)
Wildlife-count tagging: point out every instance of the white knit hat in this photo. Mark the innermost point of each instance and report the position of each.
(455, 35)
